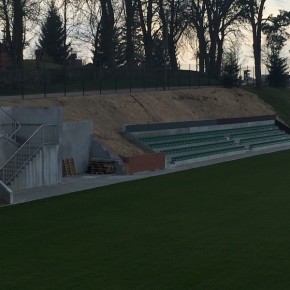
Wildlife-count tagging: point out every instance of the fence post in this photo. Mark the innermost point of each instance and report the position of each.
(44, 79)
(83, 81)
(100, 83)
(189, 84)
(22, 84)
(208, 79)
(144, 79)
(130, 81)
(116, 80)
(199, 78)
(64, 78)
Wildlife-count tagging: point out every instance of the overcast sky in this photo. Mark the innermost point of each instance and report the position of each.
(272, 7)
(275, 5)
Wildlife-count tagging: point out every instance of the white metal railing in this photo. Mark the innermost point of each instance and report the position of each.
(43, 135)
(8, 127)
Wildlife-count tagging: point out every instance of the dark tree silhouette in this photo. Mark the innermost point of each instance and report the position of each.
(276, 37)
(52, 37)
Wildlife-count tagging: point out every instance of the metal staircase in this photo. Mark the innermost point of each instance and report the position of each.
(8, 128)
(43, 135)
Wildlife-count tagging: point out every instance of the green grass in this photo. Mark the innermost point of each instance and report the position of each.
(224, 226)
(278, 98)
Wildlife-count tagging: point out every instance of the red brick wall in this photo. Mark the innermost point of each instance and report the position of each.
(145, 162)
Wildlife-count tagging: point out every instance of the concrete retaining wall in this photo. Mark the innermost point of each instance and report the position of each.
(36, 115)
(76, 142)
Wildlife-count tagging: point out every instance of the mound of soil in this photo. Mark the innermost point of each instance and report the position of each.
(110, 112)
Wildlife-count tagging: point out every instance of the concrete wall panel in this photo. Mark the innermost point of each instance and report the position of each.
(35, 115)
(51, 171)
(76, 141)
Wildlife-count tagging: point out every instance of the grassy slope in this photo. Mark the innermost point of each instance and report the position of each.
(279, 99)
(219, 227)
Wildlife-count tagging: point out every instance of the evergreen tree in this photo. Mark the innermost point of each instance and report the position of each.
(278, 71)
(52, 36)
(230, 71)
(276, 37)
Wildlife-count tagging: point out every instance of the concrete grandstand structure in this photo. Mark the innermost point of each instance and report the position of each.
(200, 141)
(34, 141)
(33, 144)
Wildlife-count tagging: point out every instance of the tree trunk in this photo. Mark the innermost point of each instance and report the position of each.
(257, 57)
(8, 39)
(129, 32)
(107, 32)
(18, 30)
(256, 22)
(219, 58)
(203, 61)
(146, 27)
(172, 54)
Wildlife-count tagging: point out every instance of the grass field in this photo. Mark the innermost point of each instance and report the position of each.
(225, 226)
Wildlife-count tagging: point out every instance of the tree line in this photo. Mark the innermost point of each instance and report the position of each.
(149, 33)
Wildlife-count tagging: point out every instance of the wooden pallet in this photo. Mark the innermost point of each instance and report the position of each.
(101, 167)
(69, 167)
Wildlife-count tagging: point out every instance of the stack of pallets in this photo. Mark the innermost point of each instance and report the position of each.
(68, 167)
(97, 166)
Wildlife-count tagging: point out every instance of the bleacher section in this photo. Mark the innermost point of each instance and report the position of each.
(201, 143)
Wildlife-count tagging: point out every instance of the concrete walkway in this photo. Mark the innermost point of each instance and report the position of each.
(83, 182)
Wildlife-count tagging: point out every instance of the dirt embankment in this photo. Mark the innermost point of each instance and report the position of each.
(110, 112)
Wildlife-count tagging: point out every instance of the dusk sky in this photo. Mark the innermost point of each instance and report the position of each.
(272, 7)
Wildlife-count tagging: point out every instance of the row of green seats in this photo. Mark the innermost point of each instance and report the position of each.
(199, 147)
(205, 154)
(185, 142)
(260, 132)
(274, 142)
(206, 133)
(247, 140)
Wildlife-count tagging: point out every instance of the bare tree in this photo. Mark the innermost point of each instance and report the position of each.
(13, 15)
(145, 10)
(221, 15)
(198, 21)
(174, 21)
(130, 9)
(253, 13)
